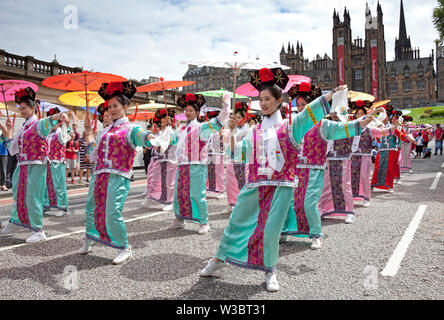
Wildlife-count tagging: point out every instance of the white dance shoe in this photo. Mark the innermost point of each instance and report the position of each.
(177, 224)
(59, 213)
(123, 255)
(350, 219)
(204, 228)
(36, 237)
(316, 244)
(271, 282)
(211, 268)
(366, 203)
(145, 203)
(86, 248)
(168, 207)
(9, 227)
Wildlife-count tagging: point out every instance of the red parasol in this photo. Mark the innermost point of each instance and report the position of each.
(163, 85)
(81, 81)
(141, 116)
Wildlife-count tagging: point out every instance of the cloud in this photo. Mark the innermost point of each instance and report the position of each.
(138, 39)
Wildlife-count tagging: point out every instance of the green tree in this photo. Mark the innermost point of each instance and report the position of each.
(438, 20)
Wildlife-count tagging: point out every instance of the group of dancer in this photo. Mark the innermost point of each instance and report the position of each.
(281, 174)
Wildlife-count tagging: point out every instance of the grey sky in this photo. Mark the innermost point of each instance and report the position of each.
(138, 39)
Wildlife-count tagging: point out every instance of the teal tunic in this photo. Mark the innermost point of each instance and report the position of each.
(56, 190)
(28, 187)
(189, 200)
(58, 177)
(303, 219)
(251, 238)
(109, 228)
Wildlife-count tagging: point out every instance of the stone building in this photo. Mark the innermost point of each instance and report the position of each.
(409, 80)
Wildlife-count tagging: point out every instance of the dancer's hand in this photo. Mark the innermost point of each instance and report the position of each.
(366, 121)
(329, 95)
(231, 123)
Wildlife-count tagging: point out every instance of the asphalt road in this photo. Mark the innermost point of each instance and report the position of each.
(166, 264)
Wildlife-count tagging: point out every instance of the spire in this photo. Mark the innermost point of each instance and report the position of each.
(283, 49)
(403, 47)
(402, 28)
(289, 48)
(292, 49)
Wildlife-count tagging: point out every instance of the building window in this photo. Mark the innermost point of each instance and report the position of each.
(358, 74)
(327, 79)
(393, 73)
(358, 62)
(421, 101)
(420, 71)
(421, 85)
(393, 87)
(406, 72)
(314, 81)
(407, 86)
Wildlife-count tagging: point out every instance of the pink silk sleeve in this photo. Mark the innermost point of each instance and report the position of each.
(378, 133)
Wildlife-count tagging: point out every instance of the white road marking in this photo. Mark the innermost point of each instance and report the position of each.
(442, 165)
(395, 260)
(435, 182)
(83, 230)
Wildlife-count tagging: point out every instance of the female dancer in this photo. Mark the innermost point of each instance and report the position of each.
(114, 156)
(387, 157)
(215, 164)
(251, 239)
(191, 139)
(237, 170)
(56, 192)
(362, 155)
(304, 219)
(162, 168)
(30, 175)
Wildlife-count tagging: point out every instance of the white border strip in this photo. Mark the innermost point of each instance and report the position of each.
(436, 181)
(442, 165)
(395, 260)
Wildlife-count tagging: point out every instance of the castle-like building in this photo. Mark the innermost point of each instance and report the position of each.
(408, 81)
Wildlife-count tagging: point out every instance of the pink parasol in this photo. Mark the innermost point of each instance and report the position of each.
(10, 87)
(248, 90)
(181, 117)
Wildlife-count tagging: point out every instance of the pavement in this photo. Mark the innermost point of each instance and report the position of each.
(166, 263)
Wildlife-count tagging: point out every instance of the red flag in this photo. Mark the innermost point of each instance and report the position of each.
(94, 119)
(290, 110)
(135, 113)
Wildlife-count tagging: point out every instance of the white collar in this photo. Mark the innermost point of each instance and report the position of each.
(119, 121)
(269, 122)
(191, 123)
(30, 119)
(244, 127)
